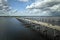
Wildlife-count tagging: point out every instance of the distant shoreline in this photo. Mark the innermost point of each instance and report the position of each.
(29, 16)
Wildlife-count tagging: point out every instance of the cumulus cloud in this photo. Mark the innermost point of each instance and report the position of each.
(3, 5)
(4, 8)
(23, 0)
(0, 1)
(46, 6)
(43, 4)
(5, 0)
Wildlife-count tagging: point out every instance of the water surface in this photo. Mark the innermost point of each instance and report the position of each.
(12, 29)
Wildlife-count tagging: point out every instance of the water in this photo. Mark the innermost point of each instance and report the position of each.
(12, 29)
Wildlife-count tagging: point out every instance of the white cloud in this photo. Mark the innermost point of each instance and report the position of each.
(55, 7)
(23, 0)
(5, 0)
(4, 8)
(46, 6)
(0, 1)
(45, 3)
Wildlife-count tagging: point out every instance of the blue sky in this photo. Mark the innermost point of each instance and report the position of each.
(35, 7)
(32, 7)
(19, 5)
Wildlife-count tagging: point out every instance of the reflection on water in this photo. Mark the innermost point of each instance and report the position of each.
(12, 29)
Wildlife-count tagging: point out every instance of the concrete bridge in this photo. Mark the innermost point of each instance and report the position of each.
(48, 26)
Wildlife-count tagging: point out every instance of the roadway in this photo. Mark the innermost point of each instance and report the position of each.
(12, 29)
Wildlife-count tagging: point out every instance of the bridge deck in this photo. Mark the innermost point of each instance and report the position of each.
(57, 27)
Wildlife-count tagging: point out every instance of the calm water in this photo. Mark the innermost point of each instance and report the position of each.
(12, 29)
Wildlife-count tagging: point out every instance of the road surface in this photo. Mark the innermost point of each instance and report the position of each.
(12, 29)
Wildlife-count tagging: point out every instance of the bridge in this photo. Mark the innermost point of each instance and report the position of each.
(29, 28)
(48, 26)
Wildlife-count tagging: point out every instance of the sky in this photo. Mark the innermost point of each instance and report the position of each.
(33, 7)
(19, 4)
(46, 7)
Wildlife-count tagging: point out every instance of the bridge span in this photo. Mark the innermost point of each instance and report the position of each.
(48, 26)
